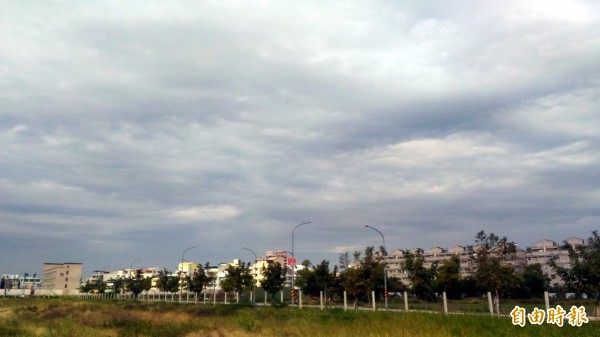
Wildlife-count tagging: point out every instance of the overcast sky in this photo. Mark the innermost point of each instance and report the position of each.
(131, 131)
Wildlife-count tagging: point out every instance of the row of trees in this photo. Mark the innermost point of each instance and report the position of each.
(237, 279)
(491, 271)
(364, 272)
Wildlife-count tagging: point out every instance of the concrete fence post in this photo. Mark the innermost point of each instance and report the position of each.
(345, 301)
(321, 298)
(406, 301)
(445, 303)
(373, 297)
(547, 300)
(300, 298)
(225, 297)
(491, 305)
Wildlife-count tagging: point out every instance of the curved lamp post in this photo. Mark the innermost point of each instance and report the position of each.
(181, 271)
(384, 267)
(132, 262)
(294, 257)
(254, 272)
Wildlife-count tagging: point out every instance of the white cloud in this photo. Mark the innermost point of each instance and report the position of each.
(204, 213)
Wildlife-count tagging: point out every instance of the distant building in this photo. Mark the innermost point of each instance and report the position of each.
(545, 250)
(188, 268)
(272, 257)
(109, 276)
(16, 281)
(64, 277)
(542, 252)
(220, 271)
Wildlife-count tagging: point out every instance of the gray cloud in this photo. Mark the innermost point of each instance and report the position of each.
(140, 130)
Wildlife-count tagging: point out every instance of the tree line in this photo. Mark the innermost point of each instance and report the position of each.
(363, 272)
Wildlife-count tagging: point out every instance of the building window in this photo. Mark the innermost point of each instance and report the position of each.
(65, 286)
(67, 272)
(67, 279)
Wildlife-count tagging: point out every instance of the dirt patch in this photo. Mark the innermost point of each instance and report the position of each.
(4, 313)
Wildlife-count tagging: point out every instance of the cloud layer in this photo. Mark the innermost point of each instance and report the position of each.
(138, 130)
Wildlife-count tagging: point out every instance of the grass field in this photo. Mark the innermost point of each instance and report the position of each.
(70, 317)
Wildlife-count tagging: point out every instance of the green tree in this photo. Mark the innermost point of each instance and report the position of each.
(448, 278)
(583, 276)
(95, 286)
(167, 282)
(533, 281)
(173, 284)
(323, 277)
(163, 280)
(492, 269)
(422, 280)
(355, 284)
(306, 280)
(374, 269)
(364, 275)
(314, 280)
(199, 280)
(137, 283)
(344, 261)
(395, 285)
(274, 278)
(118, 284)
(238, 279)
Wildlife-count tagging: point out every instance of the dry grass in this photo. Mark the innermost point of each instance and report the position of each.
(61, 317)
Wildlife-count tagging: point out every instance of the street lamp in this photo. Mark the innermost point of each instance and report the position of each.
(253, 272)
(132, 262)
(294, 257)
(384, 267)
(181, 271)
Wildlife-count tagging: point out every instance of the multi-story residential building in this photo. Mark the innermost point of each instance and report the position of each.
(220, 271)
(272, 257)
(545, 250)
(65, 277)
(542, 252)
(187, 268)
(109, 276)
(395, 261)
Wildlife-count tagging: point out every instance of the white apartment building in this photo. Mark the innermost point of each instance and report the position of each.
(541, 253)
(220, 271)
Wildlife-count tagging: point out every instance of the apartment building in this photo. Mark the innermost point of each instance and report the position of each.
(542, 252)
(271, 257)
(220, 271)
(63, 277)
(545, 250)
(188, 268)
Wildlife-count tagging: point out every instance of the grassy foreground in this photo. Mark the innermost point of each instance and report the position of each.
(65, 317)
